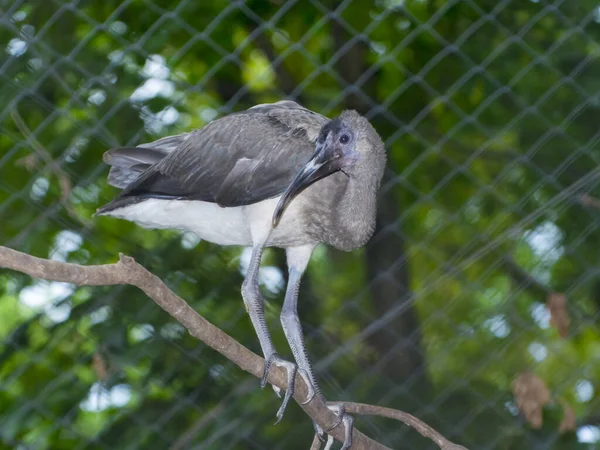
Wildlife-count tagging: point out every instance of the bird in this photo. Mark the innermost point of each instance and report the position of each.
(274, 175)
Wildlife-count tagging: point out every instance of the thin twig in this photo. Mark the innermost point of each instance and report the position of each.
(410, 420)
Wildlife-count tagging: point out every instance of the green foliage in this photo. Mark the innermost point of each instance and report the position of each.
(488, 110)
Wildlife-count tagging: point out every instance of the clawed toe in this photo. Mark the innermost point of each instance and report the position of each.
(319, 432)
(291, 370)
(277, 391)
(329, 442)
(340, 411)
(342, 418)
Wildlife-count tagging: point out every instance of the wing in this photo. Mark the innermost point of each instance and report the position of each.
(128, 163)
(240, 159)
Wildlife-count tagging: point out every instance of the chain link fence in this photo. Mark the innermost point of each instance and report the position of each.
(473, 307)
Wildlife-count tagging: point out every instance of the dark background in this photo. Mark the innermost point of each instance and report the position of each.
(488, 214)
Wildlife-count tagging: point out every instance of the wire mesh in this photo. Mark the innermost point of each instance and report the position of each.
(483, 267)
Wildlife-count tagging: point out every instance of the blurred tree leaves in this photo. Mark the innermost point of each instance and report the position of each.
(489, 114)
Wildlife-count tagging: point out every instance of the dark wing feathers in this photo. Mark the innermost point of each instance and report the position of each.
(128, 163)
(239, 159)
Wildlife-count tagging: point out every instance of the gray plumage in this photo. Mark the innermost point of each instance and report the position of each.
(273, 175)
(233, 161)
(250, 156)
(128, 163)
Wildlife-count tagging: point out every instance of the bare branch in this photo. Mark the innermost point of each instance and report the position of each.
(410, 420)
(128, 271)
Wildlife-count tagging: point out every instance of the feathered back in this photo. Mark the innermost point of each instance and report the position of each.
(236, 160)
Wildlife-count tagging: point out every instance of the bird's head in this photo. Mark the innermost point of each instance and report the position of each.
(349, 144)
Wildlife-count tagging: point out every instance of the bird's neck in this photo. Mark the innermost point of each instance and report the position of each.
(356, 207)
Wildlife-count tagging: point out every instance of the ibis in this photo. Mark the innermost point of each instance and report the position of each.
(275, 175)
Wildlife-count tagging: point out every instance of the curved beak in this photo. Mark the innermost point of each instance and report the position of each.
(323, 163)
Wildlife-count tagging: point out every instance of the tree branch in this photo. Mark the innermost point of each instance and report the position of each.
(410, 420)
(128, 271)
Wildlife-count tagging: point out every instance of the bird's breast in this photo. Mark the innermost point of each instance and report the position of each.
(341, 212)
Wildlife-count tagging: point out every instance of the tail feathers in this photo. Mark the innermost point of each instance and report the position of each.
(121, 177)
(117, 204)
(128, 156)
(123, 202)
(128, 163)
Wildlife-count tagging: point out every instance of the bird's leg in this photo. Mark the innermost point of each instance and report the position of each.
(293, 332)
(256, 309)
(297, 260)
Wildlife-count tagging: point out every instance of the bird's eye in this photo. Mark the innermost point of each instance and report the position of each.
(344, 139)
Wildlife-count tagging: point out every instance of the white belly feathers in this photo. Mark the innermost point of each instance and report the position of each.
(241, 225)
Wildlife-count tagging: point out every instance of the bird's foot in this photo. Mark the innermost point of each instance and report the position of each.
(342, 418)
(320, 433)
(311, 390)
(291, 370)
